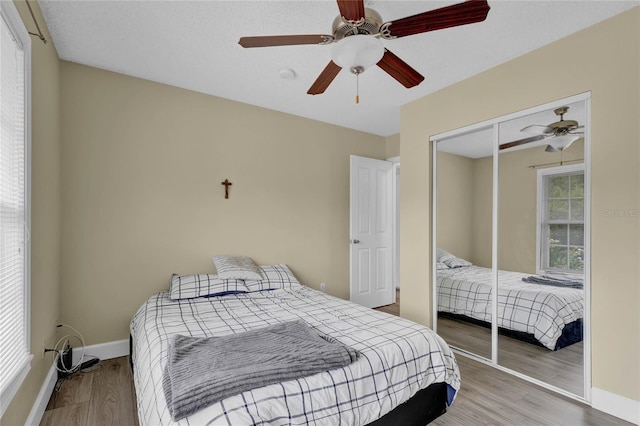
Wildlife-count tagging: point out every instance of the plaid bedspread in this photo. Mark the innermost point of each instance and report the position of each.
(398, 358)
(540, 310)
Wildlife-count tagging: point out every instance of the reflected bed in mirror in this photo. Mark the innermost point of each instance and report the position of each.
(548, 312)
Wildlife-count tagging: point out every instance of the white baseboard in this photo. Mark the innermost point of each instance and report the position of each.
(40, 404)
(103, 351)
(616, 405)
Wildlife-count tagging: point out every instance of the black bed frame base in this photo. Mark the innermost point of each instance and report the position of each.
(422, 408)
(571, 333)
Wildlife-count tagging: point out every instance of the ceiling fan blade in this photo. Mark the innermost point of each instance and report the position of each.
(521, 142)
(445, 17)
(400, 70)
(536, 128)
(324, 79)
(284, 40)
(351, 10)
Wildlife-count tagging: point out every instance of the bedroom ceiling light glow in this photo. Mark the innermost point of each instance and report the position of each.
(357, 53)
(560, 143)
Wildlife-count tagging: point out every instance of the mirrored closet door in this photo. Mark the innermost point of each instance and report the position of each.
(464, 216)
(511, 246)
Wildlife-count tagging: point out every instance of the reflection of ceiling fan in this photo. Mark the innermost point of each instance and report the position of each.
(562, 133)
(357, 32)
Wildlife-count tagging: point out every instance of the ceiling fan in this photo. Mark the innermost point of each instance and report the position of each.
(357, 34)
(562, 133)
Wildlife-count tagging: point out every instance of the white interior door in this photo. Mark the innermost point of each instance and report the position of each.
(371, 228)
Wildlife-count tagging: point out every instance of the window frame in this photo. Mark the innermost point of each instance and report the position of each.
(542, 252)
(11, 17)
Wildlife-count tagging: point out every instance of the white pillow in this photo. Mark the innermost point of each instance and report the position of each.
(201, 285)
(274, 277)
(457, 263)
(443, 256)
(237, 267)
(441, 266)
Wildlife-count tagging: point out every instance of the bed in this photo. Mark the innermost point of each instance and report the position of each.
(547, 315)
(404, 374)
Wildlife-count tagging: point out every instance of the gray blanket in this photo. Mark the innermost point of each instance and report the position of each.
(556, 280)
(202, 371)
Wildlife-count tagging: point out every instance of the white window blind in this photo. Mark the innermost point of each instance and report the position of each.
(14, 207)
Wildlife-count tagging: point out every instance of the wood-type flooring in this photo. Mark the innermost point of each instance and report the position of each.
(105, 395)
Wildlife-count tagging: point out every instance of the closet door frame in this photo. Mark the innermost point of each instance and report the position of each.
(495, 124)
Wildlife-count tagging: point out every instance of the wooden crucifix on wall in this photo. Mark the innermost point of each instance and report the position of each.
(226, 184)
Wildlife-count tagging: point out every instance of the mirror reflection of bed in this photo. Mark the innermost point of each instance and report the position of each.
(539, 248)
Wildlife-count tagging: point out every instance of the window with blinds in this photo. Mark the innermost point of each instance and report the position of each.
(14, 204)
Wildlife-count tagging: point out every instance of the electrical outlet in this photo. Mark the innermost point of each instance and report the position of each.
(323, 287)
(44, 345)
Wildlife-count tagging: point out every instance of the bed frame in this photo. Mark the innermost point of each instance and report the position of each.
(571, 333)
(422, 408)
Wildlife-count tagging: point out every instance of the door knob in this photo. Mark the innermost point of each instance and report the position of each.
(355, 241)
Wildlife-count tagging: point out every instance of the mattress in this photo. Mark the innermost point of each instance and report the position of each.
(540, 310)
(396, 358)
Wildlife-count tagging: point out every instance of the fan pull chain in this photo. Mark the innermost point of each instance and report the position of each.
(357, 70)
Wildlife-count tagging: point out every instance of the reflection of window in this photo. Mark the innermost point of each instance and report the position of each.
(561, 219)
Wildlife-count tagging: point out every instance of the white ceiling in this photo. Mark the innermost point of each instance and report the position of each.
(193, 45)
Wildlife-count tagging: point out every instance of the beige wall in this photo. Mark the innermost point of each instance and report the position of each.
(393, 146)
(482, 220)
(142, 166)
(581, 62)
(455, 203)
(45, 213)
(465, 191)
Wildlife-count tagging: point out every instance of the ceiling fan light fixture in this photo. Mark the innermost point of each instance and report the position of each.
(560, 143)
(357, 52)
